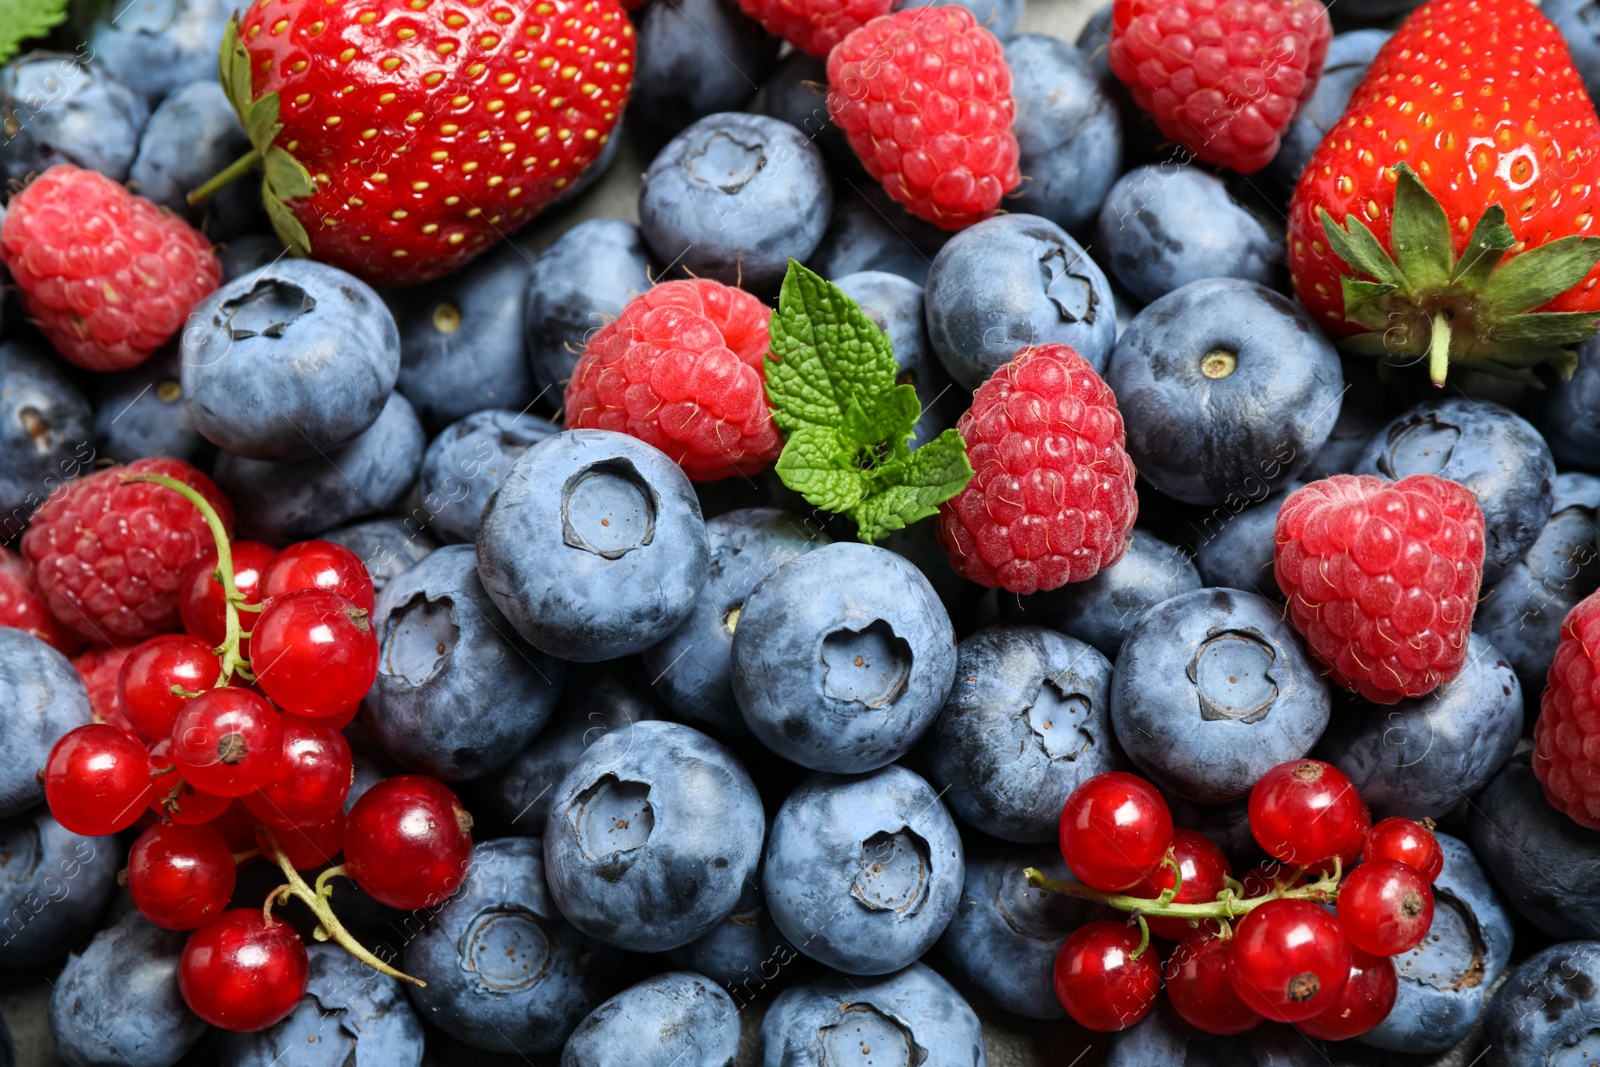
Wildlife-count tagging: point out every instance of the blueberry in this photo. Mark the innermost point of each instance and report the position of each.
(251, 252)
(1163, 1039)
(1068, 129)
(999, 17)
(1094, 42)
(1235, 550)
(60, 108)
(1579, 23)
(593, 546)
(156, 46)
(842, 658)
(1487, 448)
(1211, 690)
(505, 971)
(140, 412)
(1565, 417)
(1368, 406)
(918, 544)
(53, 886)
(913, 1016)
(1224, 386)
(1547, 1010)
(193, 135)
(466, 463)
(458, 693)
(45, 432)
(579, 284)
(1227, 825)
(1025, 724)
(389, 547)
(677, 1019)
(869, 232)
(289, 361)
(651, 836)
(690, 666)
(297, 499)
(596, 170)
(697, 57)
(1103, 609)
(894, 303)
(1349, 56)
(863, 873)
(119, 1001)
(43, 698)
(1011, 281)
(797, 93)
(744, 948)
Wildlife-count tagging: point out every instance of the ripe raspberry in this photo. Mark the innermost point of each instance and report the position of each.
(1566, 736)
(109, 276)
(814, 26)
(681, 369)
(22, 608)
(1222, 77)
(1051, 500)
(924, 95)
(99, 668)
(109, 556)
(1382, 579)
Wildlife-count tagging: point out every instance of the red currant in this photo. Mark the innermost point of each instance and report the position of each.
(321, 565)
(174, 798)
(408, 842)
(315, 653)
(151, 671)
(1385, 907)
(1405, 841)
(1204, 868)
(97, 780)
(313, 776)
(1305, 811)
(181, 876)
(1364, 1002)
(1268, 876)
(1115, 830)
(311, 845)
(1099, 981)
(1199, 987)
(228, 742)
(236, 825)
(1288, 960)
(201, 601)
(242, 972)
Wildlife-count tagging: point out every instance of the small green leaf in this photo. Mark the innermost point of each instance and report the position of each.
(912, 488)
(1366, 302)
(261, 121)
(1421, 233)
(286, 177)
(1546, 328)
(22, 20)
(820, 467)
(1541, 274)
(289, 230)
(1356, 245)
(1491, 239)
(233, 68)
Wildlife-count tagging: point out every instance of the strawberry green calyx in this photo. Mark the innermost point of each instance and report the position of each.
(1477, 311)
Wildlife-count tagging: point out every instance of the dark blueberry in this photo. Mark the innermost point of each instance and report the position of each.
(140, 412)
(1162, 1039)
(458, 693)
(43, 698)
(651, 836)
(734, 197)
(895, 304)
(291, 501)
(596, 170)
(743, 949)
(676, 1019)
(919, 545)
(1566, 417)
(863, 873)
(46, 433)
(593, 546)
(1025, 725)
(1579, 23)
(505, 971)
(914, 1016)
(466, 463)
(690, 666)
(118, 1003)
(1227, 825)
(1094, 42)
(696, 58)
(156, 46)
(192, 136)
(389, 547)
(1349, 56)
(1103, 609)
(579, 284)
(62, 108)
(1369, 405)
(53, 886)
(1234, 547)
(1212, 689)
(290, 361)
(1069, 131)
(1548, 1011)
(1487, 448)
(1011, 281)
(869, 232)
(999, 17)
(249, 253)
(797, 93)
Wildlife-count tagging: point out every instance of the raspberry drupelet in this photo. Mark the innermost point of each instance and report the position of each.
(1566, 736)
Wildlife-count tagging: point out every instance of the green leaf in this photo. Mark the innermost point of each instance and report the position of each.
(1356, 245)
(286, 177)
(1545, 328)
(1491, 238)
(912, 488)
(233, 68)
(820, 466)
(22, 20)
(289, 229)
(1366, 302)
(1541, 274)
(261, 121)
(1421, 232)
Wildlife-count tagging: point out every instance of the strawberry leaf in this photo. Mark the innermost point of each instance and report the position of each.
(1539, 275)
(1421, 235)
(22, 20)
(1356, 245)
(233, 68)
(1491, 239)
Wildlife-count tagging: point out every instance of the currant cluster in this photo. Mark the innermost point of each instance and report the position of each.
(232, 739)
(1305, 937)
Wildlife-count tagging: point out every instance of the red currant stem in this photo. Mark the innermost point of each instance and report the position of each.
(161, 772)
(1144, 937)
(1226, 906)
(322, 886)
(247, 854)
(1169, 894)
(180, 691)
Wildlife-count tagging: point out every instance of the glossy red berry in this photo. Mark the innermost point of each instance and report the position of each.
(1205, 870)
(314, 652)
(149, 674)
(1405, 841)
(242, 972)
(312, 779)
(308, 846)
(237, 826)
(201, 600)
(321, 565)
(1115, 830)
(97, 780)
(1385, 907)
(1306, 811)
(408, 842)
(1288, 960)
(1099, 981)
(175, 799)
(181, 876)
(1268, 876)
(1200, 989)
(1364, 1002)
(228, 742)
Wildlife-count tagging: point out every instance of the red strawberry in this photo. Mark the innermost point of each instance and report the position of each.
(401, 139)
(1444, 216)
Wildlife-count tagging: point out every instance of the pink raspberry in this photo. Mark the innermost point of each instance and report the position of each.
(1566, 736)
(100, 667)
(814, 26)
(22, 608)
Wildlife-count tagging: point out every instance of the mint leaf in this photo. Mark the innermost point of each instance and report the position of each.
(819, 465)
(913, 487)
(21, 20)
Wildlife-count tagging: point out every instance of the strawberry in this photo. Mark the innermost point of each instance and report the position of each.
(1445, 216)
(399, 138)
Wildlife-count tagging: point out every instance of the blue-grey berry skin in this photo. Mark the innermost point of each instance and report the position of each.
(118, 1003)
(651, 836)
(462, 340)
(157, 46)
(597, 170)
(1548, 1011)
(296, 499)
(676, 1019)
(999, 17)
(62, 108)
(579, 284)
(1103, 609)
(593, 547)
(1227, 825)
(1011, 281)
(54, 884)
(505, 971)
(1349, 56)
(466, 463)
(797, 93)
(249, 253)
(1579, 23)
(1025, 724)
(1445, 982)
(696, 58)
(913, 1013)
(1234, 545)
(388, 547)
(894, 303)
(690, 668)
(46, 432)
(1162, 1038)
(1068, 130)
(140, 412)
(43, 698)
(865, 234)
(1094, 42)
(863, 873)
(842, 658)
(290, 361)
(745, 947)
(458, 693)
(1213, 689)
(1224, 386)
(734, 197)
(1564, 417)
(193, 135)
(1489, 449)
(919, 544)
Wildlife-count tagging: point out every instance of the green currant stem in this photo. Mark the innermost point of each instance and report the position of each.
(1439, 349)
(237, 169)
(1144, 937)
(1227, 905)
(322, 887)
(248, 854)
(1170, 894)
(180, 691)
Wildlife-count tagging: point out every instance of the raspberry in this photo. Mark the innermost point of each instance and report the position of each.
(814, 26)
(1222, 77)
(1051, 500)
(1566, 736)
(107, 275)
(110, 556)
(22, 608)
(99, 668)
(924, 96)
(1382, 579)
(681, 369)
